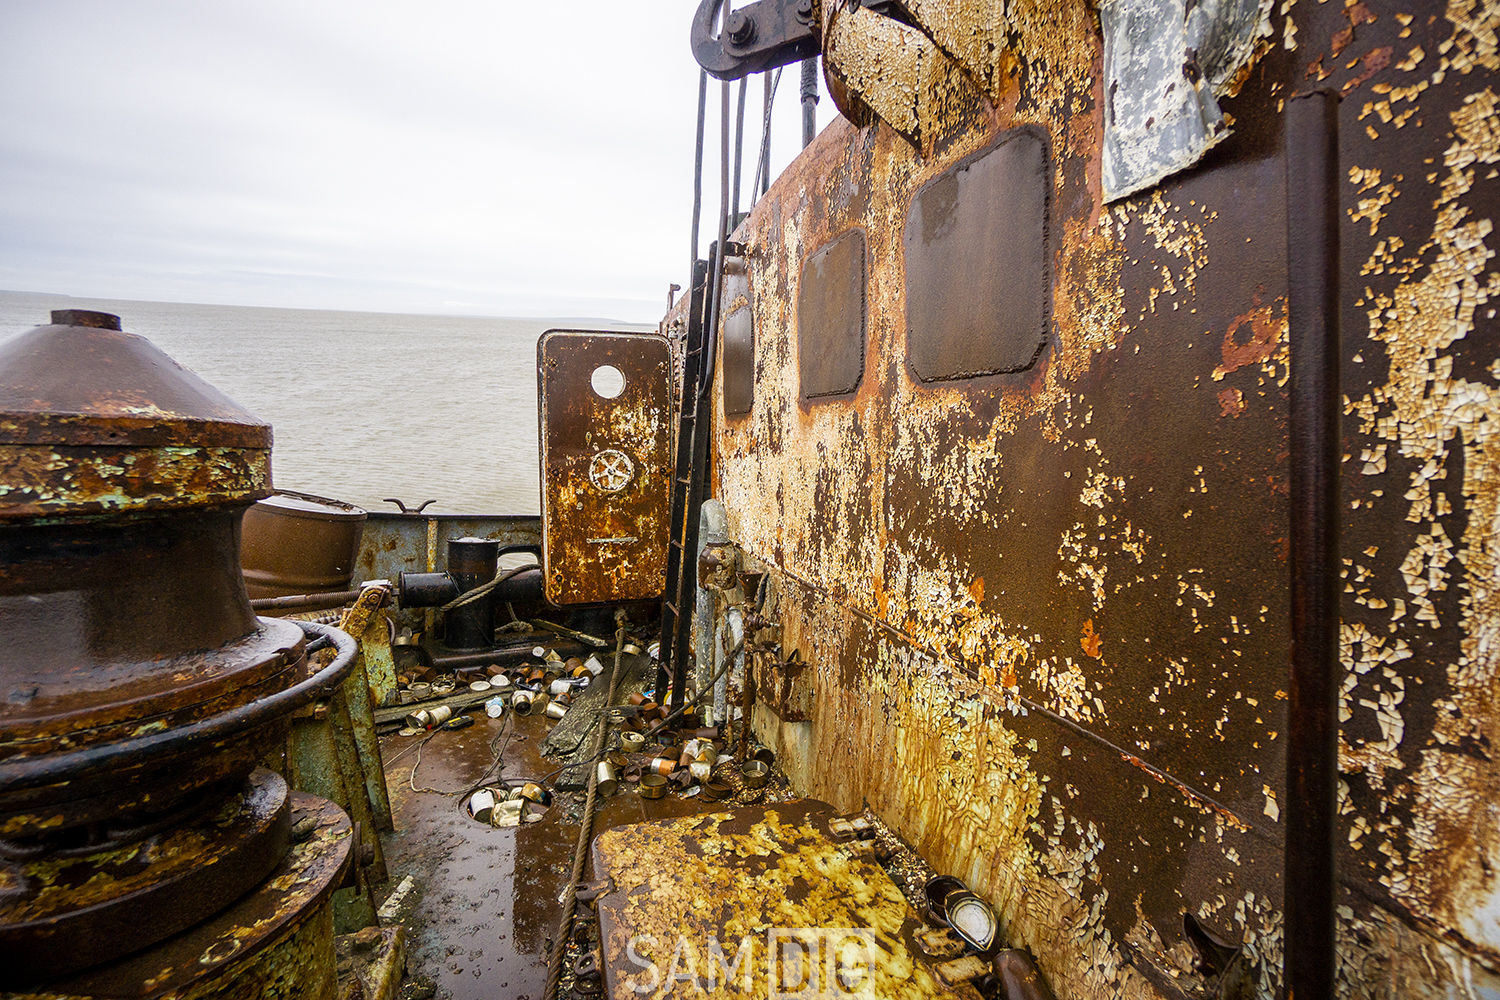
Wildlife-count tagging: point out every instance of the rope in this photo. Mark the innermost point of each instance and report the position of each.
(565, 927)
(484, 588)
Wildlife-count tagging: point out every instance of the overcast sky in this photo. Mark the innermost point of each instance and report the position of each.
(485, 158)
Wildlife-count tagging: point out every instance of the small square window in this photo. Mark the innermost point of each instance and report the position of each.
(831, 318)
(978, 287)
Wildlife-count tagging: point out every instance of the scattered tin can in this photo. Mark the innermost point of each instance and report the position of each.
(573, 665)
(971, 918)
(717, 789)
(540, 652)
(593, 666)
(937, 890)
(631, 649)
(522, 702)
(632, 742)
(479, 686)
(654, 651)
(652, 786)
(507, 813)
(606, 778)
(756, 773)
(637, 699)
(558, 687)
(421, 690)
(765, 755)
(482, 804)
(495, 707)
(440, 715)
(617, 758)
(556, 709)
(533, 792)
(406, 697)
(420, 719)
(444, 685)
(408, 731)
(663, 766)
(699, 770)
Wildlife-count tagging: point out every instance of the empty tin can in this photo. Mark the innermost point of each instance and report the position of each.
(522, 702)
(606, 778)
(756, 774)
(556, 709)
(663, 766)
(632, 742)
(481, 804)
(653, 786)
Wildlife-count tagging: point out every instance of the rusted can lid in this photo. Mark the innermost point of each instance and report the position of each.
(95, 420)
(316, 508)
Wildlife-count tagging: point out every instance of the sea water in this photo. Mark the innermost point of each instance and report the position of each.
(364, 406)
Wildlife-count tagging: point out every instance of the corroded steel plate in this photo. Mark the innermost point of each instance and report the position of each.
(605, 410)
(755, 902)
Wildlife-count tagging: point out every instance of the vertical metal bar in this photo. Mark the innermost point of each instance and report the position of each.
(809, 101)
(1312, 181)
(763, 169)
(429, 618)
(739, 154)
(698, 170)
(671, 620)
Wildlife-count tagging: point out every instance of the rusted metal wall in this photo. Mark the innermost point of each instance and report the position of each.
(1044, 614)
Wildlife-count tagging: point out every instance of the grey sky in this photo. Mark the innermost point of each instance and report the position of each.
(491, 158)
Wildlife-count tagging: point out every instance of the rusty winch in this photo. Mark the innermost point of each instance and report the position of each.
(138, 690)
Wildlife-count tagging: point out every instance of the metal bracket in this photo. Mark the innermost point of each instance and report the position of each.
(756, 37)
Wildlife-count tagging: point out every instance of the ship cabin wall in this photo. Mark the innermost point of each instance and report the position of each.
(1025, 525)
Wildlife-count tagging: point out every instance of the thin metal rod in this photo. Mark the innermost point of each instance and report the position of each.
(698, 167)
(739, 153)
(762, 182)
(764, 166)
(1312, 182)
(809, 101)
(716, 257)
(305, 602)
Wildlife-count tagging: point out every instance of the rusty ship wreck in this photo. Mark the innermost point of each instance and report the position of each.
(1050, 549)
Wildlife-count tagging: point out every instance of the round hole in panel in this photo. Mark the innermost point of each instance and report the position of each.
(608, 381)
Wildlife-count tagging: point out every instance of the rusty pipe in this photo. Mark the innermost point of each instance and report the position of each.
(305, 602)
(1312, 181)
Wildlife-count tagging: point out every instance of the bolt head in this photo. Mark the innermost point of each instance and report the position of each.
(741, 27)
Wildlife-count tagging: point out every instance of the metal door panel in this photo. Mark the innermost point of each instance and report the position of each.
(606, 466)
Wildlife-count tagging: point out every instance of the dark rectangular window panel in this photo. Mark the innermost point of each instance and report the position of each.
(978, 287)
(831, 318)
(739, 340)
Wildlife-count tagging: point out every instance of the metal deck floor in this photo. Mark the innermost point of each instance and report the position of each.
(484, 903)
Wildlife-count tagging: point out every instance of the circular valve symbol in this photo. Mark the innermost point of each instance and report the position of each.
(611, 470)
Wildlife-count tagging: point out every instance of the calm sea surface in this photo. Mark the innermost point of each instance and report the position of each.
(364, 405)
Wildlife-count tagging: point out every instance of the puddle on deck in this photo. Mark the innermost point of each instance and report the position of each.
(485, 902)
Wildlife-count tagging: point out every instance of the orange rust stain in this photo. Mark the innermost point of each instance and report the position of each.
(1261, 345)
(976, 590)
(1008, 676)
(1231, 403)
(1375, 61)
(1091, 640)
